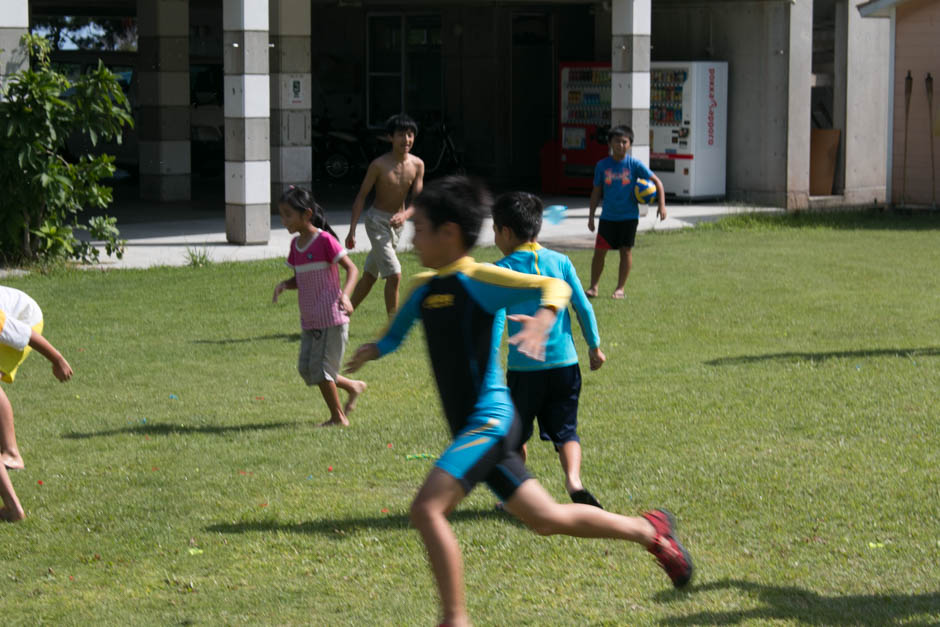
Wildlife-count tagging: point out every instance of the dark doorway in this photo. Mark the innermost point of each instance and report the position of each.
(533, 91)
(827, 105)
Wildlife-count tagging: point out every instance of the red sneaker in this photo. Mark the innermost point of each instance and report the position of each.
(667, 549)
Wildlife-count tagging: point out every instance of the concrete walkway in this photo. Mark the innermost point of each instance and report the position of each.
(180, 235)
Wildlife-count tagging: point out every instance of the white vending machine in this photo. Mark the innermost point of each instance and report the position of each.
(688, 127)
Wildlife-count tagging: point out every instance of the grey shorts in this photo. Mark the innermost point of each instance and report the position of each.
(321, 353)
(382, 260)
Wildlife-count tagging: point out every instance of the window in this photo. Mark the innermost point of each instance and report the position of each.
(404, 67)
(82, 32)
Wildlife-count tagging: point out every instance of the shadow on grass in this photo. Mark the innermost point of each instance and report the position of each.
(339, 527)
(792, 604)
(875, 219)
(170, 429)
(795, 356)
(287, 337)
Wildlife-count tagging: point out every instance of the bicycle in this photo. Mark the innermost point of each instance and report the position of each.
(446, 160)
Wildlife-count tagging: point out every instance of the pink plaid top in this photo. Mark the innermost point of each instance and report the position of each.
(318, 289)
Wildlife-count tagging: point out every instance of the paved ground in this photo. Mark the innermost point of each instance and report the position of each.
(167, 234)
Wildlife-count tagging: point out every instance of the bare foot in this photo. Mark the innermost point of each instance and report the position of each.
(618, 295)
(591, 292)
(358, 387)
(336, 422)
(12, 515)
(12, 462)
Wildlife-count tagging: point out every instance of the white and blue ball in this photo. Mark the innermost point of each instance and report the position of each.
(645, 191)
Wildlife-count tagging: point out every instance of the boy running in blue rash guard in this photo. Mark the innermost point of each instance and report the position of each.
(457, 303)
(549, 389)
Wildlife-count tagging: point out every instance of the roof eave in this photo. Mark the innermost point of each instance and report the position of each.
(878, 8)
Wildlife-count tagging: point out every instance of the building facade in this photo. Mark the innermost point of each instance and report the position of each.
(914, 128)
(293, 69)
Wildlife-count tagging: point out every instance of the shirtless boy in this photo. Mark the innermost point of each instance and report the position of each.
(394, 175)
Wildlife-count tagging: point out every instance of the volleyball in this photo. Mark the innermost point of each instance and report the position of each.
(645, 191)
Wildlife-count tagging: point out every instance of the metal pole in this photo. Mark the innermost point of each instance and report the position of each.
(933, 170)
(908, 87)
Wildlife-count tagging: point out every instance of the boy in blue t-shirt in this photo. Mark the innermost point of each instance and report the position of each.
(549, 389)
(615, 177)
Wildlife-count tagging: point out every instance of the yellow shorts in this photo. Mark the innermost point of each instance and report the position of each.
(10, 358)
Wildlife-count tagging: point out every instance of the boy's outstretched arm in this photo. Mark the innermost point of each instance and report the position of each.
(530, 340)
(60, 368)
(363, 354)
(396, 332)
(496, 288)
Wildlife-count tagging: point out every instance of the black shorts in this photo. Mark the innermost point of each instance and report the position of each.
(615, 235)
(551, 396)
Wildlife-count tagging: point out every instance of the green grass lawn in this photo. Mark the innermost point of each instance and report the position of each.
(774, 381)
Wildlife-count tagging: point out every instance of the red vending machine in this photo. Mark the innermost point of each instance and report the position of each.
(584, 109)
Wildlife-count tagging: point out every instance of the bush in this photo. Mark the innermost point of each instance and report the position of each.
(44, 194)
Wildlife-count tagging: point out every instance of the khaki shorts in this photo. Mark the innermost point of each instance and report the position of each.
(382, 261)
(10, 358)
(321, 353)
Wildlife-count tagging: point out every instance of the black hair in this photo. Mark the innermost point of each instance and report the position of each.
(300, 199)
(521, 212)
(400, 122)
(458, 199)
(620, 131)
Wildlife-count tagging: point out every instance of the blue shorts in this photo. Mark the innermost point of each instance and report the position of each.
(481, 453)
(552, 397)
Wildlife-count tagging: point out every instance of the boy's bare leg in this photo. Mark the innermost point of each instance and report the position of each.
(353, 388)
(392, 282)
(531, 504)
(9, 451)
(439, 495)
(366, 281)
(597, 268)
(331, 396)
(11, 511)
(569, 454)
(626, 263)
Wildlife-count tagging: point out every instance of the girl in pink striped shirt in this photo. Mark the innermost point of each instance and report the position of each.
(324, 308)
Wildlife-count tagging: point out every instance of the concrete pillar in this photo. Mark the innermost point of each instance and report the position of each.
(630, 71)
(14, 22)
(163, 95)
(868, 83)
(291, 150)
(839, 87)
(799, 89)
(247, 121)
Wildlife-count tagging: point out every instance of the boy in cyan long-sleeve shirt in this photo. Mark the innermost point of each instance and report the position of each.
(548, 390)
